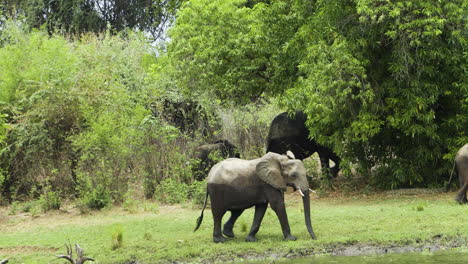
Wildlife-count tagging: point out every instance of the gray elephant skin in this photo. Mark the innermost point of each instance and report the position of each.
(222, 149)
(461, 164)
(235, 185)
(291, 133)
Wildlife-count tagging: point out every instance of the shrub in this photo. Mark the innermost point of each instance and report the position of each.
(49, 200)
(129, 203)
(14, 208)
(197, 192)
(96, 198)
(170, 191)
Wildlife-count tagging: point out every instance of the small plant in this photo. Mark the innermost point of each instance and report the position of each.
(170, 191)
(129, 204)
(49, 200)
(97, 198)
(35, 210)
(147, 236)
(14, 208)
(29, 207)
(243, 227)
(117, 237)
(420, 208)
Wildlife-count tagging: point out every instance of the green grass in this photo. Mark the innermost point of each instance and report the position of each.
(166, 234)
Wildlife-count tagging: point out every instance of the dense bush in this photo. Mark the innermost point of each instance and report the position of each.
(96, 198)
(81, 114)
(170, 191)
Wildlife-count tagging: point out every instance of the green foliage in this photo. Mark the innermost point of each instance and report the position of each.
(247, 127)
(197, 193)
(14, 207)
(96, 198)
(83, 112)
(49, 200)
(383, 83)
(29, 207)
(3, 132)
(129, 203)
(170, 191)
(117, 237)
(80, 16)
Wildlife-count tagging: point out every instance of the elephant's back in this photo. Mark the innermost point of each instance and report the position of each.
(231, 170)
(285, 126)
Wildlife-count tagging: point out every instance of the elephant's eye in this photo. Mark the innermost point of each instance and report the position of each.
(294, 175)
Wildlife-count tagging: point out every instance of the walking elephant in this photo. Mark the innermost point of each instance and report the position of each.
(235, 185)
(461, 164)
(291, 133)
(209, 154)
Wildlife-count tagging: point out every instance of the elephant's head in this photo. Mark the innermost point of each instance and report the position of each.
(281, 171)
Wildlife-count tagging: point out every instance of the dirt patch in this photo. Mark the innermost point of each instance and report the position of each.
(11, 251)
(341, 249)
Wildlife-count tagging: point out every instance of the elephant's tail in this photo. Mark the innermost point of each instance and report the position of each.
(450, 179)
(200, 218)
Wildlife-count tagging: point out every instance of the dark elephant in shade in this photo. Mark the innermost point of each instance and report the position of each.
(210, 154)
(291, 133)
(235, 185)
(461, 164)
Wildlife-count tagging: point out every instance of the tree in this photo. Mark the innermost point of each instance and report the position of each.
(382, 82)
(78, 16)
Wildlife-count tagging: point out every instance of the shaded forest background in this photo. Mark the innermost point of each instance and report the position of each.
(102, 100)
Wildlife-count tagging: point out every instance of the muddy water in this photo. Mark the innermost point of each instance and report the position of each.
(438, 257)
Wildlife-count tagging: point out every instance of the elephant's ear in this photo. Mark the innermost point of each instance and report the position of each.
(269, 171)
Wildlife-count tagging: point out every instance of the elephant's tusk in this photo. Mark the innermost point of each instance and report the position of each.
(301, 192)
(312, 191)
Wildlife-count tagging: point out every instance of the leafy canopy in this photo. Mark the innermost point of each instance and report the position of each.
(383, 83)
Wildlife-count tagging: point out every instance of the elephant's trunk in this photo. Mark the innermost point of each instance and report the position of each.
(306, 201)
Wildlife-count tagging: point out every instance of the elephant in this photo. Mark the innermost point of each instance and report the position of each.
(236, 184)
(209, 154)
(291, 133)
(461, 163)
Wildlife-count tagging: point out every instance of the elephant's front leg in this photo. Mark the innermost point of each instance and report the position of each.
(227, 228)
(258, 217)
(280, 210)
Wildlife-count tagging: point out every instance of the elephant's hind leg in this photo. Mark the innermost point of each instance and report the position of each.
(217, 217)
(227, 228)
(461, 195)
(258, 217)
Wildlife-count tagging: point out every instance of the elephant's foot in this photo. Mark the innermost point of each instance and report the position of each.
(250, 238)
(290, 237)
(461, 200)
(228, 232)
(219, 239)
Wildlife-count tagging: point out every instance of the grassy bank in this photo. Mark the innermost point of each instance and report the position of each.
(157, 233)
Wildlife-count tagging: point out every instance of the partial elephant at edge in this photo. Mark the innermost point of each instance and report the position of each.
(208, 155)
(461, 166)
